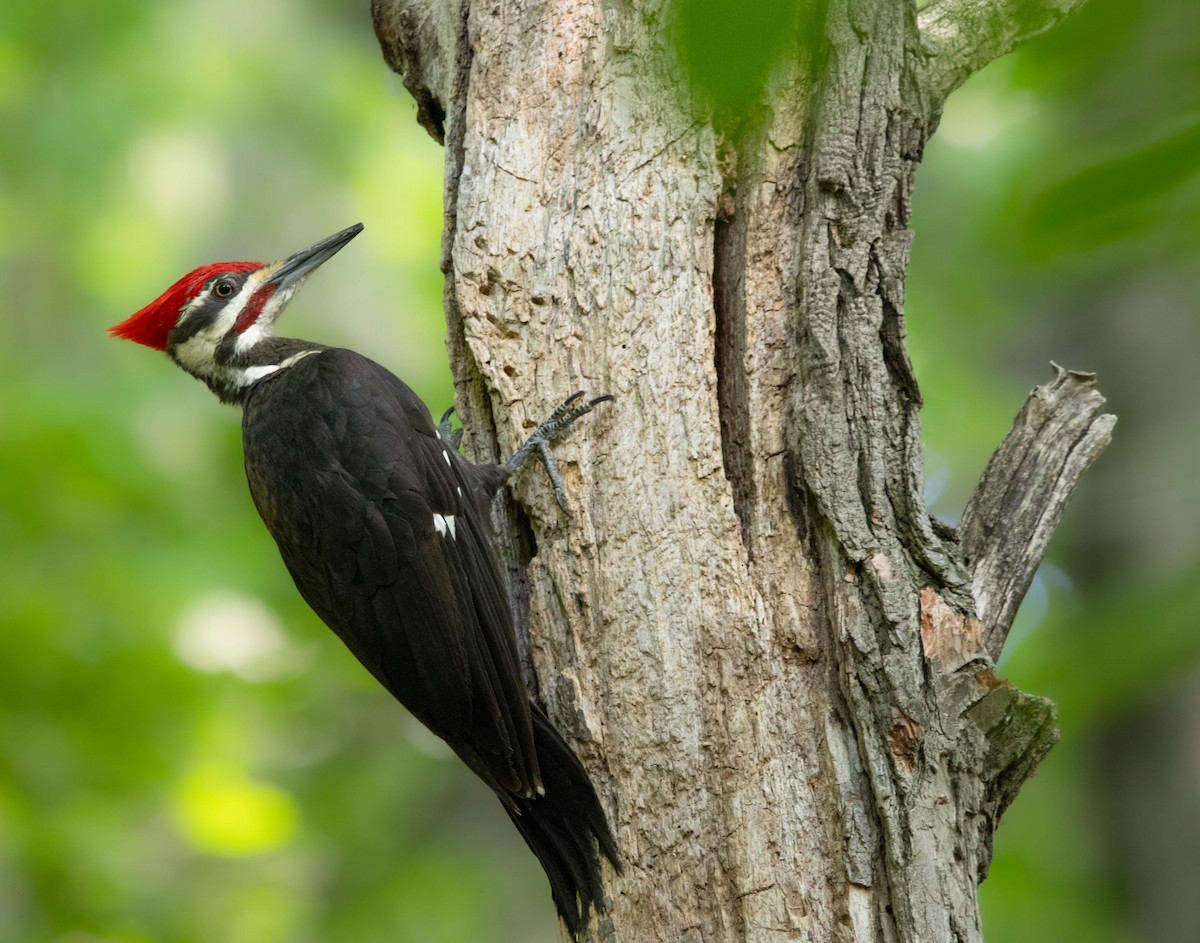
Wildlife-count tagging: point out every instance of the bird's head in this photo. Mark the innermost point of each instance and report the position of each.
(217, 322)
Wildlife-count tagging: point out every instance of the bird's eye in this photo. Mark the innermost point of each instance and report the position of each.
(223, 289)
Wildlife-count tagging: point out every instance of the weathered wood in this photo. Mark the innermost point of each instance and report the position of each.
(962, 36)
(420, 41)
(1018, 503)
(768, 657)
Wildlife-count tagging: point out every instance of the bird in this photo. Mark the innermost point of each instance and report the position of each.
(385, 529)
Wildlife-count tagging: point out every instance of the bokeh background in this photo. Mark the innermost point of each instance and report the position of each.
(187, 756)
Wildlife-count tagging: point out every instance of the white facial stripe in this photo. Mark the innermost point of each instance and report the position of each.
(233, 308)
(444, 524)
(190, 308)
(266, 318)
(197, 354)
(249, 337)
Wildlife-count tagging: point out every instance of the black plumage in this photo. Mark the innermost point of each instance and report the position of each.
(384, 528)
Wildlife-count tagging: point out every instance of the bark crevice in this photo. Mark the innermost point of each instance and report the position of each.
(729, 346)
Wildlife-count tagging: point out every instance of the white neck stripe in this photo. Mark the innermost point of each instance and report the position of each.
(247, 375)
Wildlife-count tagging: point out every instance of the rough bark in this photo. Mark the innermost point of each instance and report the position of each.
(1017, 505)
(769, 658)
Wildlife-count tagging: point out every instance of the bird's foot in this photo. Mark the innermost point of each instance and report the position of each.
(447, 432)
(547, 430)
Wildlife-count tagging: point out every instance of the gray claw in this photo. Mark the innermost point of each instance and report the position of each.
(547, 430)
(451, 435)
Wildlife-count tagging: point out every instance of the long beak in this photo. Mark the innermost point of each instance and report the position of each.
(294, 268)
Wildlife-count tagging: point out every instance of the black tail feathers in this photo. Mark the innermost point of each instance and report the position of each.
(566, 828)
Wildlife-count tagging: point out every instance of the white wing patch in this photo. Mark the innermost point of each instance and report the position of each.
(444, 523)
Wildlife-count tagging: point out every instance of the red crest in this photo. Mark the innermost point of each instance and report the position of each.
(152, 324)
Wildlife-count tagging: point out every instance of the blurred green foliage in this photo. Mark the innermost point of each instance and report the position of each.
(172, 765)
(730, 49)
(1058, 217)
(186, 756)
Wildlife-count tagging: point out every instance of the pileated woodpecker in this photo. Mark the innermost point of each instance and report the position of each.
(384, 528)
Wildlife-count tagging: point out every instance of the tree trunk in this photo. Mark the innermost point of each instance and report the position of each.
(771, 661)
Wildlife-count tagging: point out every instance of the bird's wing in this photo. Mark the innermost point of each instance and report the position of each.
(384, 531)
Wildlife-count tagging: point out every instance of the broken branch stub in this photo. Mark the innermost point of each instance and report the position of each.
(1018, 503)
